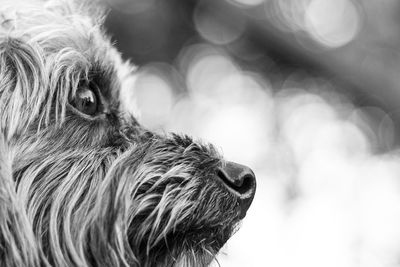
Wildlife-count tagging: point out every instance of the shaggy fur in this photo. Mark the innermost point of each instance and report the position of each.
(77, 190)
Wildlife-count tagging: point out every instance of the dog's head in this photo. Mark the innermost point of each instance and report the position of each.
(84, 184)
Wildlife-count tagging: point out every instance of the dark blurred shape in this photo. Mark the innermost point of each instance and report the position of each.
(131, 6)
(156, 34)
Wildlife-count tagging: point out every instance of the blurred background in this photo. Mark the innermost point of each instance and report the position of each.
(305, 92)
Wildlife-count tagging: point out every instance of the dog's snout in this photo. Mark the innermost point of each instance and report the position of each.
(238, 178)
(241, 181)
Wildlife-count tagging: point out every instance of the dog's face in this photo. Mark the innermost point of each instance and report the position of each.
(83, 183)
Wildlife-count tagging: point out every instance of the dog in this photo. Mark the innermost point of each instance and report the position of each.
(82, 183)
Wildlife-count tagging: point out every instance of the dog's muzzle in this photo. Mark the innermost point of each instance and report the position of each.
(239, 180)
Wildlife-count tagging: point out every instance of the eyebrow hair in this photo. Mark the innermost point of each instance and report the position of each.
(105, 78)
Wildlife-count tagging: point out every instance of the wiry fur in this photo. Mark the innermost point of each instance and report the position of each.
(82, 191)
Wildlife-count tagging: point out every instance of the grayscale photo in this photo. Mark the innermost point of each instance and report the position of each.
(199, 133)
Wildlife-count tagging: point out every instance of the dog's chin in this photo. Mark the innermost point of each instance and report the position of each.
(194, 247)
(209, 239)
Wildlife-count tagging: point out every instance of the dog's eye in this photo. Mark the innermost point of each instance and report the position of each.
(86, 101)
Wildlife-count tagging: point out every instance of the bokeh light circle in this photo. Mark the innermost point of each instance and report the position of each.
(218, 27)
(247, 3)
(332, 23)
(154, 96)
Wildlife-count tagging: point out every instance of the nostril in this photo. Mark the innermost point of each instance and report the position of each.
(238, 179)
(242, 185)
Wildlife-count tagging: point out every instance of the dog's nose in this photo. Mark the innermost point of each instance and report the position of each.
(241, 181)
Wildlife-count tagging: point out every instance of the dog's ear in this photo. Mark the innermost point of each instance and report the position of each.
(13, 10)
(16, 234)
(21, 79)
